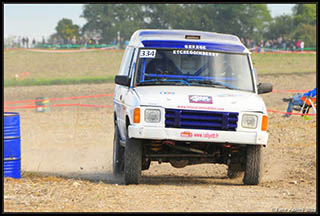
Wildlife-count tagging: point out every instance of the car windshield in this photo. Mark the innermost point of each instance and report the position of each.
(193, 68)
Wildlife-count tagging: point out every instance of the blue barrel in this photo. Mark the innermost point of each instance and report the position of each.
(12, 143)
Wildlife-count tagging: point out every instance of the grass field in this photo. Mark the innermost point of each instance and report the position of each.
(273, 63)
(44, 68)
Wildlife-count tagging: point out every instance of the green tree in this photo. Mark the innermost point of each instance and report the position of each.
(305, 20)
(67, 30)
(108, 19)
(307, 33)
(305, 14)
(156, 16)
(281, 26)
(243, 20)
(184, 16)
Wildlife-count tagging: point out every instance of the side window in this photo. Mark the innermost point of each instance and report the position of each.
(126, 60)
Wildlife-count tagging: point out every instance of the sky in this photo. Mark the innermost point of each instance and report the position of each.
(38, 20)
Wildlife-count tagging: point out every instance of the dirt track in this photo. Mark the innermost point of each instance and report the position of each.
(68, 151)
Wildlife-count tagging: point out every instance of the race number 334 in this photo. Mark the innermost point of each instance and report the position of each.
(147, 53)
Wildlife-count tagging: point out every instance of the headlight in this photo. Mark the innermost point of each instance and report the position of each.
(152, 115)
(249, 121)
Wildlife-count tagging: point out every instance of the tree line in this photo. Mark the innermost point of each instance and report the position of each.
(107, 23)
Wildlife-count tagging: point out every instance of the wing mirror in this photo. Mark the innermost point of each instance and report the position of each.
(122, 80)
(264, 88)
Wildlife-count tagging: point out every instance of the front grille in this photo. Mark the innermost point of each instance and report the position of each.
(206, 120)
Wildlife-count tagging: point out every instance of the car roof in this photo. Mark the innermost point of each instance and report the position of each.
(158, 38)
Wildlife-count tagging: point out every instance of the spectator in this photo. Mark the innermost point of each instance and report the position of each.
(19, 41)
(279, 41)
(33, 43)
(23, 42)
(27, 42)
(68, 41)
(260, 46)
(298, 44)
(283, 43)
(302, 46)
(248, 43)
(253, 45)
(267, 44)
(74, 40)
(296, 100)
(294, 45)
(274, 44)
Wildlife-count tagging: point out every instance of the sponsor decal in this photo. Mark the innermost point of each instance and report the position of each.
(186, 134)
(200, 108)
(207, 135)
(193, 52)
(192, 46)
(167, 93)
(200, 99)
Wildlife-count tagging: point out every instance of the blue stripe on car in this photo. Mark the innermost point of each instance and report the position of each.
(223, 47)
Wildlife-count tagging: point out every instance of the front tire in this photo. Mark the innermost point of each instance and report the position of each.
(133, 161)
(252, 175)
(118, 154)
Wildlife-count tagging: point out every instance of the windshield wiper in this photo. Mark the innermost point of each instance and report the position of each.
(214, 83)
(162, 81)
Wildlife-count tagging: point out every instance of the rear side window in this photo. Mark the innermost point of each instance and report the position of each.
(125, 63)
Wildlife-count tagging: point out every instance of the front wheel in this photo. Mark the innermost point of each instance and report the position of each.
(132, 161)
(118, 154)
(252, 175)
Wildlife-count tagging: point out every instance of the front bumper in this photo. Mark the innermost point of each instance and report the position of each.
(191, 135)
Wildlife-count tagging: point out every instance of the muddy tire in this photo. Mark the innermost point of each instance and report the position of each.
(252, 175)
(118, 154)
(132, 161)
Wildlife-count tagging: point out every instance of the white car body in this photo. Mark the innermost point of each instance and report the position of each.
(188, 97)
(126, 99)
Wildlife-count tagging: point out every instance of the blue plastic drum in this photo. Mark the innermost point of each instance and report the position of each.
(12, 145)
(11, 125)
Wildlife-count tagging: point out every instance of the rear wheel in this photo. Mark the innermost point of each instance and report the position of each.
(133, 161)
(146, 164)
(232, 173)
(118, 154)
(252, 175)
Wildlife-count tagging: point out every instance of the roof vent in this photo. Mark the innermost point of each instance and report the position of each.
(194, 37)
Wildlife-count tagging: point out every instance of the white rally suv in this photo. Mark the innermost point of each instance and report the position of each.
(188, 97)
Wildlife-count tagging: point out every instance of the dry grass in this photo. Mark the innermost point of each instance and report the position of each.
(284, 63)
(40, 65)
(106, 63)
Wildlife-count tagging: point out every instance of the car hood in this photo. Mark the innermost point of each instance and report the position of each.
(200, 98)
